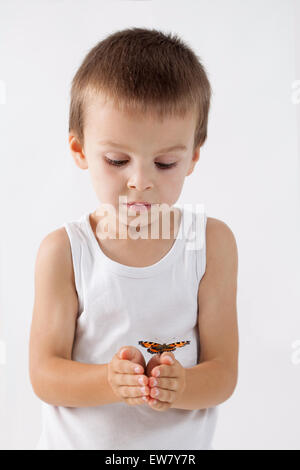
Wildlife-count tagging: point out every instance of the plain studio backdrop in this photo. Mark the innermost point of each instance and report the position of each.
(247, 176)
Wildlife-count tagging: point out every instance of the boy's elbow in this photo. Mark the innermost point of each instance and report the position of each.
(35, 381)
(231, 391)
(36, 391)
(231, 385)
(230, 380)
(38, 379)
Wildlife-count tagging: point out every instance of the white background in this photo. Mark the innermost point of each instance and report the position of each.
(247, 176)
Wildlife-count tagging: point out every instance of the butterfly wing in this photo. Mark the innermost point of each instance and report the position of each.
(168, 347)
(178, 344)
(153, 348)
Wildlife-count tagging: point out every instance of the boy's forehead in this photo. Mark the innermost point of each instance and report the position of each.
(102, 115)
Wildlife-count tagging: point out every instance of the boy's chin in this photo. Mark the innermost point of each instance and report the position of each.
(142, 219)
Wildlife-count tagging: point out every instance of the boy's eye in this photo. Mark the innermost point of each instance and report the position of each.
(161, 166)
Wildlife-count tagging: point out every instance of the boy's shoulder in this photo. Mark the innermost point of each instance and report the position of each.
(55, 248)
(55, 241)
(217, 227)
(213, 220)
(220, 240)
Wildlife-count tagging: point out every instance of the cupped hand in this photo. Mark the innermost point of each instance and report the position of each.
(125, 373)
(167, 380)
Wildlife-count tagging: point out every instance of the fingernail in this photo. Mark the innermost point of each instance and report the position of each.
(138, 370)
(157, 372)
(141, 380)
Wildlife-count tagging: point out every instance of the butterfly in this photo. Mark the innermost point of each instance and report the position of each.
(155, 348)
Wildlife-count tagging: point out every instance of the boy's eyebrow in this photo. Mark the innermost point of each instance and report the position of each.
(168, 149)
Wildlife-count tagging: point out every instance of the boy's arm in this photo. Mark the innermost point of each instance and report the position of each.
(55, 378)
(214, 379)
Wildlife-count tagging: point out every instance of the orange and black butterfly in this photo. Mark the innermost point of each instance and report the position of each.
(156, 348)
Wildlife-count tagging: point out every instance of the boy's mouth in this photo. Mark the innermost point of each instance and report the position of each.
(139, 206)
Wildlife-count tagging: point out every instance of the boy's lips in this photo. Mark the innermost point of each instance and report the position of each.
(139, 203)
(139, 206)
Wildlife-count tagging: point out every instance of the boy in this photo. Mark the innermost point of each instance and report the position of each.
(138, 117)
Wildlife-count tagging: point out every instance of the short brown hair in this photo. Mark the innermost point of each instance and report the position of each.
(142, 70)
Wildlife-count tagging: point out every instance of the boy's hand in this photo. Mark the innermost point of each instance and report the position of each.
(129, 384)
(171, 381)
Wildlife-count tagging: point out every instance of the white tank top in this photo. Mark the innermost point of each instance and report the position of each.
(120, 305)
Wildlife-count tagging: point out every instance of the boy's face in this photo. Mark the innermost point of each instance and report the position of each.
(141, 141)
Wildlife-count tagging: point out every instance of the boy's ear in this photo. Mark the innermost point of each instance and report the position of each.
(77, 152)
(194, 160)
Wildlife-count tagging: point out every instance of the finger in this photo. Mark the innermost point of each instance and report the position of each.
(131, 353)
(123, 366)
(133, 392)
(164, 382)
(164, 370)
(131, 379)
(163, 395)
(167, 358)
(158, 405)
(154, 361)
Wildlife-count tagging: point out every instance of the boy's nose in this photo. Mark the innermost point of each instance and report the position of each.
(140, 177)
(140, 183)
